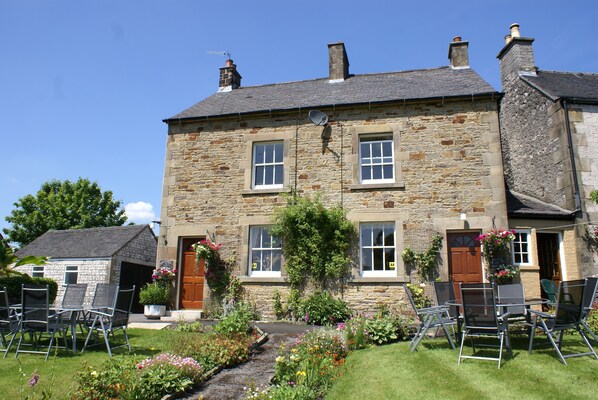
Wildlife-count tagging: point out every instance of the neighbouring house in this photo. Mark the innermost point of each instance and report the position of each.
(120, 254)
(549, 129)
(408, 154)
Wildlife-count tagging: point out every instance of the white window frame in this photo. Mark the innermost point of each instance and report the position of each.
(38, 271)
(265, 164)
(390, 266)
(518, 233)
(371, 163)
(71, 269)
(253, 269)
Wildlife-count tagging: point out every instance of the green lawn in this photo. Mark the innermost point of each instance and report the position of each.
(57, 374)
(431, 372)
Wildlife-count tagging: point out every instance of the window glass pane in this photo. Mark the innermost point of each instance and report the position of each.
(366, 173)
(259, 175)
(256, 256)
(525, 258)
(366, 235)
(378, 234)
(276, 260)
(378, 259)
(389, 257)
(366, 260)
(389, 240)
(70, 277)
(259, 154)
(278, 153)
(278, 174)
(387, 149)
(266, 241)
(376, 150)
(388, 171)
(269, 153)
(377, 171)
(365, 150)
(269, 175)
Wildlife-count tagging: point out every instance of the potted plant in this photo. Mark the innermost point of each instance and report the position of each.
(156, 295)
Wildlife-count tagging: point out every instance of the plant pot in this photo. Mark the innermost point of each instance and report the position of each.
(154, 311)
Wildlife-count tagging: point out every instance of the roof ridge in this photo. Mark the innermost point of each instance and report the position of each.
(567, 72)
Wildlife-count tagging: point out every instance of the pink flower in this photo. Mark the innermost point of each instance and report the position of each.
(34, 379)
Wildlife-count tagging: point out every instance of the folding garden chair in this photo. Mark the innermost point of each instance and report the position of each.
(37, 320)
(72, 306)
(549, 288)
(430, 317)
(112, 318)
(567, 315)
(481, 319)
(445, 293)
(589, 295)
(514, 294)
(9, 323)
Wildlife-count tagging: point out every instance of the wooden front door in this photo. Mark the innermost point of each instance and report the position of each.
(465, 258)
(192, 278)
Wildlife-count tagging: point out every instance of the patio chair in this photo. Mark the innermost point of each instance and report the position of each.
(73, 299)
(37, 320)
(9, 323)
(481, 320)
(589, 296)
(514, 294)
(112, 318)
(549, 288)
(567, 315)
(444, 292)
(430, 317)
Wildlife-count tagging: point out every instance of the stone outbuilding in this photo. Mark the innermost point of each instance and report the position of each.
(549, 130)
(407, 154)
(120, 254)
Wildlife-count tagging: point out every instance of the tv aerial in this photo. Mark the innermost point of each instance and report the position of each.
(219, 53)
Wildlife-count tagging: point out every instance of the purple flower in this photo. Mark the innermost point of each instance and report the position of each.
(34, 379)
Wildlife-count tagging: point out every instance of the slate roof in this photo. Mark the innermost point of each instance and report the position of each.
(523, 206)
(82, 243)
(443, 82)
(576, 86)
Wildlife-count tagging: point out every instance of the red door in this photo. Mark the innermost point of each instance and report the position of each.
(465, 260)
(192, 278)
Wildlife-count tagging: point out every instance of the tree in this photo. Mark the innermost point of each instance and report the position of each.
(594, 196)
(63, 205)
(8, 257)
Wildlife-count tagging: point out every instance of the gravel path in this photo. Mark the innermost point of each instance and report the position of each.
(228, 384)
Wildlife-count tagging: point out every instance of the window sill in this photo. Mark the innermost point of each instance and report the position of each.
(378, 279)
(261, 279)
(250, 192)
(371, 186)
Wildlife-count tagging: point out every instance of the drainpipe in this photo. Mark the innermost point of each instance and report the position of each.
(572, 157)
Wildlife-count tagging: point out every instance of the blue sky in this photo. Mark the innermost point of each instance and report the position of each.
(85, 85)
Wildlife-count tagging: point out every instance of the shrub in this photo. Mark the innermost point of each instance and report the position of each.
(323, 309)
(183, 326)
(13, 286)
(238, 321)
(149, 379)
(214, 349)
(419, 296)
(154, 293)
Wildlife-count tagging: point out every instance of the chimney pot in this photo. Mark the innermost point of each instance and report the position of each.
(508, 39)
(515, 30)
(229, 63)
(456, 39)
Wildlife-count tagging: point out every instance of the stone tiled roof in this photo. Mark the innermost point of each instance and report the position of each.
(565, 85)
(82, 243)
(443, 82)
(520, 205)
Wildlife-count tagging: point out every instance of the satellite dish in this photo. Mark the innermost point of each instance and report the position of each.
(318, 117)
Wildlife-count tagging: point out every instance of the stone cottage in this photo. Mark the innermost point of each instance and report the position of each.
(407, 154)
(120, 254)
(549, 128)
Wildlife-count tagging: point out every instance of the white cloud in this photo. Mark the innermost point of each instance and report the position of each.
(140, 212)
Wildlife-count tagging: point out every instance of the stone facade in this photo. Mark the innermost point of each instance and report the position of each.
(448, 162)
(536, 154)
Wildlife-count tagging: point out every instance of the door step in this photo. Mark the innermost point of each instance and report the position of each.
(185, 315)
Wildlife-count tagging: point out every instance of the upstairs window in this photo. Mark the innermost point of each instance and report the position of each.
(376, 160)
(268, 167)
(378, 249)
(265, 252)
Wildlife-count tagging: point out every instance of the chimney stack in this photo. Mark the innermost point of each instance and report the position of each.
(229, 77)
(517, 57)
(459, 53)
(338, 63)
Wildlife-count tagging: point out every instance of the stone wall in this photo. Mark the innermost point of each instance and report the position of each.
(91, 271)
(447, 153)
